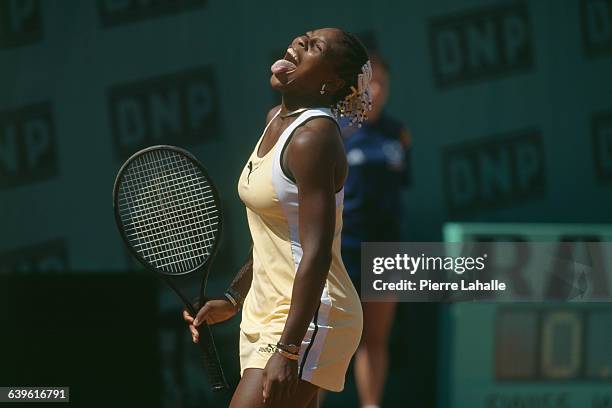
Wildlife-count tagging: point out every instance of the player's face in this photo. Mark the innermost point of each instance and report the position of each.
(308, 63)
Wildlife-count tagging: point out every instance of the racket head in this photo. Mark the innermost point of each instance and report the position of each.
(147, 183)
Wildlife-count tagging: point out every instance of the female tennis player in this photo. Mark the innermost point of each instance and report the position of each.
(301, 315)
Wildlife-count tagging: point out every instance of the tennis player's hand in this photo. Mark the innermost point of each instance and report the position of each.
(280, 379)
(213, 311)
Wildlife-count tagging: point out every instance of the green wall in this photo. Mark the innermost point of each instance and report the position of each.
(509, 105)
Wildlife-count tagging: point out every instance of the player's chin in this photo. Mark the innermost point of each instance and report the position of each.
(280, 82)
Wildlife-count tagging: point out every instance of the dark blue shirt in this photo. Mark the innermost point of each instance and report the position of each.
(378, 169)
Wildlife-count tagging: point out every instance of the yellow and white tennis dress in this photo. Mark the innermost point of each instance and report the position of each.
(271, 200)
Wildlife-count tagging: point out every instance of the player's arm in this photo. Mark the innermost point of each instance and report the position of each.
(312, 159)
(312, 156)
(220, 310)
(240, 286)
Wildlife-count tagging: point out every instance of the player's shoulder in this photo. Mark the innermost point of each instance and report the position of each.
(318, 139)
(318, 132)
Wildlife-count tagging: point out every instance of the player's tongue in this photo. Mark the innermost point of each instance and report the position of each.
(282, 66)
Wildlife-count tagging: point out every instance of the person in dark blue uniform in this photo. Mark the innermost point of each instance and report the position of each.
(377, 155)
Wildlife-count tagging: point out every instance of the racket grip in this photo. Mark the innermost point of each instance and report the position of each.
(211, 358)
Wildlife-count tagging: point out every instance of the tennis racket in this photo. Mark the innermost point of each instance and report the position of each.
(169, 215)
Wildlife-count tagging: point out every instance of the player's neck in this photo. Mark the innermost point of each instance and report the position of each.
(291, 104)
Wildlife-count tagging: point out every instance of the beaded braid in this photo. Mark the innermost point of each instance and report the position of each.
(354, 100)
(356, 104)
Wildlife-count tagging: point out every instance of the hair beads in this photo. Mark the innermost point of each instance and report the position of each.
(356, 104)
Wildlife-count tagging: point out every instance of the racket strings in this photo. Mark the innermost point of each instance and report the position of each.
(176, 223)
(146, 195)
(168, 245)
(186, 207)
(169, 211)
(184, 183)
(168, 250)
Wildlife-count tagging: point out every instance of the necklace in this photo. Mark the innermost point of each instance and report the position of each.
(286, 115)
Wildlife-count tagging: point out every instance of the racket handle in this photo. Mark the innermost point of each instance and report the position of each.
(211, 358)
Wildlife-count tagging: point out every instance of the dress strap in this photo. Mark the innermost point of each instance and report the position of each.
(285, 137)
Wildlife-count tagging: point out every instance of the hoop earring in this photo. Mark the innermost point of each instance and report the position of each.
(322, 91)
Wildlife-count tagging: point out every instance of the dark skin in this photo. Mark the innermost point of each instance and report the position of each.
(315, 158)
